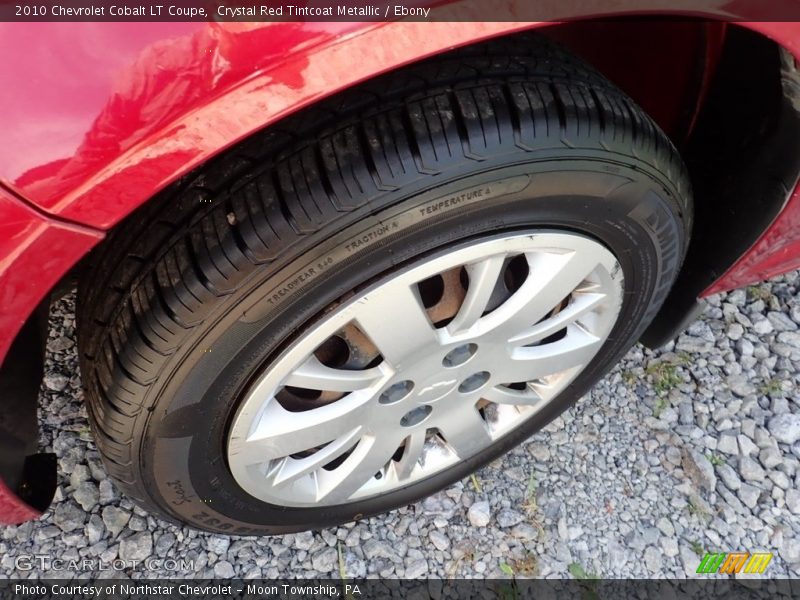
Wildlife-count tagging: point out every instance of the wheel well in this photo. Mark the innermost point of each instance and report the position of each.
(743, 159)
(664, 65)
(743, 155)
(26, 472)
(716, 90)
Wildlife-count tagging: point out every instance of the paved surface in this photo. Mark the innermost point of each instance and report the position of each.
(674, 453)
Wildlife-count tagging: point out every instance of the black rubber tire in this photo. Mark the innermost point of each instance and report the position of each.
(194, 293)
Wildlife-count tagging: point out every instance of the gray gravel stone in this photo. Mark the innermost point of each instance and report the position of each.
(780, 479)
(740, 385)
(746, 446)
(137, 523)
(699, 468)
(727, 443)
(95, 529)
(749, 494)
(439, 540)
(115, 519)
(377, 549)
(770, 457)
(540, 452)
(416, 568)
(479, 514)
(525, 531)
(781, 321)
(354, 566)
(652, 559)
(137, 547)
(508, 518)
(665, 526)
(224, 570)
(790, 339)
(55, 382)
(750, 470)
(164, 542)
(108, 492)
(693, 345)
(745, 347)
(763, 327)
(793, 501)
(218, 544)
(304, 540)
(785, 428)
(80, 473)
(735, 331)
(60, 344)
(47, 532)
(729, 477)
(69, 517)
(790, 550)
(325, 560)
(685, 413)
(669, 546)
(87, 495)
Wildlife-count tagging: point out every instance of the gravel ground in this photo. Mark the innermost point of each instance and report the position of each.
(692, 448)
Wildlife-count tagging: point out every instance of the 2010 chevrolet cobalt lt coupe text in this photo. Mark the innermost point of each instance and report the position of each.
(326, 269)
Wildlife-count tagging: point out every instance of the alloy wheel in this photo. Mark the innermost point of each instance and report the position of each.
(424, 369)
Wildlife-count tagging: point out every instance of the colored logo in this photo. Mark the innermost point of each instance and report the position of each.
(734, 562)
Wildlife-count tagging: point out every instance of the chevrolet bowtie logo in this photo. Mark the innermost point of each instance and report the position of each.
(441, 384)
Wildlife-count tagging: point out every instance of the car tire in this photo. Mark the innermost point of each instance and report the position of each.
(511, 161)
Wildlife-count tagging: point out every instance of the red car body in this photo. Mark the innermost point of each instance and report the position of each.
(98, 117)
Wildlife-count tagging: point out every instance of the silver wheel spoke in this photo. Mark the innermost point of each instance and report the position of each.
(483, 278)
(401, 332)
(467, 434)
(576, 309)
(411, 454)
(527, 363)
(369, 457)
(547, 388)
(280, 433)
(313, 375)
(504, 395)
(290, 469)
(551, 279)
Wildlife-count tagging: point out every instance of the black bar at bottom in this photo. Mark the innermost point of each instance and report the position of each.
(367, 589)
